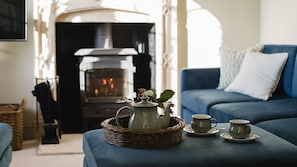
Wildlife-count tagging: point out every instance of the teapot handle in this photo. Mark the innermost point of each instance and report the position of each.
(118, 113)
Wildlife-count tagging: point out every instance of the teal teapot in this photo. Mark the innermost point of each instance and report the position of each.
(144, 115)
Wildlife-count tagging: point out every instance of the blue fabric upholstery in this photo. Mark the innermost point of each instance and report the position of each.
(201, 79)
(285, 128)
(294, 81)
(5, 147)
(201, 99)
(255, 111)
(268, 150)
(199, 95)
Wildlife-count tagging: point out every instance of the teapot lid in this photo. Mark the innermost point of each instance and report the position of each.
(145, 103)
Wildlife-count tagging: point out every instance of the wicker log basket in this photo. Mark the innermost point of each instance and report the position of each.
(148, 139)
(13, 114)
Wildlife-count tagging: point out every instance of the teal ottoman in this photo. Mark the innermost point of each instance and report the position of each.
(268, 150)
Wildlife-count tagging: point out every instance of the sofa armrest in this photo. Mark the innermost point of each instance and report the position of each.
(199, 78)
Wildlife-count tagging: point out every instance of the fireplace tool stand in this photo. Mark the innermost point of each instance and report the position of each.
(50, 110)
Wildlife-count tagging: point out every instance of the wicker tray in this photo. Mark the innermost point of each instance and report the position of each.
(12, 114)
(150, 139)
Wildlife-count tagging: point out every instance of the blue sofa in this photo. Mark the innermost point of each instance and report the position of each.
(5, 146)
(199, 94)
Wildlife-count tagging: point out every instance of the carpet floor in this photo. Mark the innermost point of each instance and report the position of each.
(28, 157)
(69, 144)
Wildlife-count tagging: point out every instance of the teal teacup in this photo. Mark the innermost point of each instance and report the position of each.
(202, 123)
(239, 128)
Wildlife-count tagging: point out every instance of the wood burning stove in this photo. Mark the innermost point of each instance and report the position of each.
(104, 80)
(106, 76)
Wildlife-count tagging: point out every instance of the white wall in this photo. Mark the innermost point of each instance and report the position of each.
(212, 23)
(278, 21)
(17, 72)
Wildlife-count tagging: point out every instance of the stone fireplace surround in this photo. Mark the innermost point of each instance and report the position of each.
(91, 15)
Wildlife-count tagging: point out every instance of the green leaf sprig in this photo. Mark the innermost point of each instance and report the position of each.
(164, 96)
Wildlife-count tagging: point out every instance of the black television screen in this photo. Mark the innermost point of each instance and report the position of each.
(13, 20)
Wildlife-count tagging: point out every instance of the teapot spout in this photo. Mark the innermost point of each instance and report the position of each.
(165, 119)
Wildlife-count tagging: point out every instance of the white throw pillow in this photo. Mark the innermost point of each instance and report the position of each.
(259, 74)
(231, 61)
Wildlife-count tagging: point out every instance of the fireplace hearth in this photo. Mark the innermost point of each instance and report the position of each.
(95, 75)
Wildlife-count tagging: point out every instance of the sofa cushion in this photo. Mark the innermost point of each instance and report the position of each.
(255, 111)
(284, 128)
(5, 137)
(259, 74)
(288, 83)
(230, 63)
(200, 100)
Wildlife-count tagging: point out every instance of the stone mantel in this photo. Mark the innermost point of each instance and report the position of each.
(161, 13)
